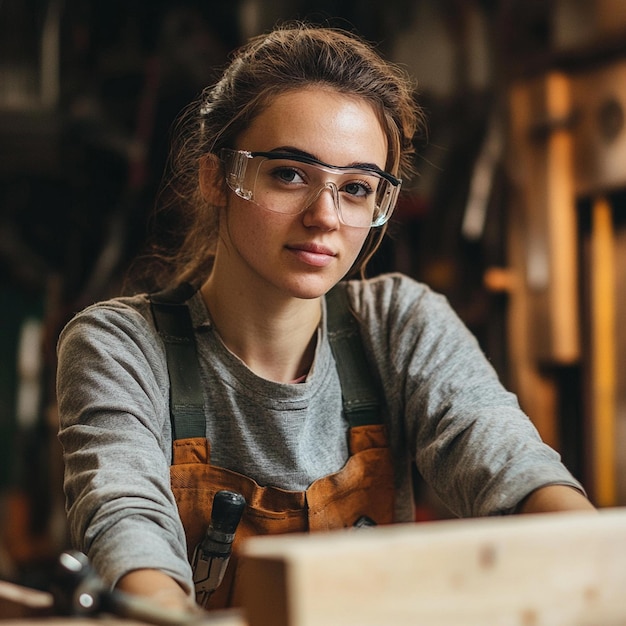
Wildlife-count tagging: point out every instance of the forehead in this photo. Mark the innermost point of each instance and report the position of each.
(334, 127)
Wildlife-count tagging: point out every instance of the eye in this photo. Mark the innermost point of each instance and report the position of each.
(357, 189)
(288, 175)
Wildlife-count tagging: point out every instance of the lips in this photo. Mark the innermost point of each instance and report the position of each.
(313, 254)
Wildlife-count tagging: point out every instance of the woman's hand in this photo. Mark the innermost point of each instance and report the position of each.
(158, 588)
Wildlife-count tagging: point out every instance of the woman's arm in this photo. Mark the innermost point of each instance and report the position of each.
(553, 498)
(114, 427)
(470, 439)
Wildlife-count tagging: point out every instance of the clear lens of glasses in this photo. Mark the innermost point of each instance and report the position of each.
(288, 184)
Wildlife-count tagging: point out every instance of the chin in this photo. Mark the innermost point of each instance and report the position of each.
(310, 288)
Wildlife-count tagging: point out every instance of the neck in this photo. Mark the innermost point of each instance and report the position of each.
(275, 337)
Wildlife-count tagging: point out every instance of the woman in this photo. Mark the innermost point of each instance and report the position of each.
(289, 168)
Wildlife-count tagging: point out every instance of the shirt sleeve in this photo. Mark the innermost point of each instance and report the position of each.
(112, 390)
(466, 433)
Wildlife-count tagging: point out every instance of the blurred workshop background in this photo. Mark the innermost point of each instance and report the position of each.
(518, 214)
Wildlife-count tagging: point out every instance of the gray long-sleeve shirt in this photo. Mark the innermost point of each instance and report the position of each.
(445, 410)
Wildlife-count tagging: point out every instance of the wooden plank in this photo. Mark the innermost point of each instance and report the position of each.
(543, 313)
(536, 394)
(603, 357)
(21, 602)
(565, 569)
(619, 269)
(542, 167)
(561, 225)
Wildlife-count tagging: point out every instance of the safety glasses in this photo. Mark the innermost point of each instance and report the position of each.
(289, 183)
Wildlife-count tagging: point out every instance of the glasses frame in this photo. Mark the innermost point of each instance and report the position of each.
(237, 161)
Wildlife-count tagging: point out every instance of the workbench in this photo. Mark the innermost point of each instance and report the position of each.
(556, 569)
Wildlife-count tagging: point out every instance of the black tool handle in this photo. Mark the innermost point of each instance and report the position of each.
(227, 510)
(212, 554)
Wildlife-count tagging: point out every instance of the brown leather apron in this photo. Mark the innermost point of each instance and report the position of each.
(363, 487)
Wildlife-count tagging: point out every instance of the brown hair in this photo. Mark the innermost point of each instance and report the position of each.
(290, 57)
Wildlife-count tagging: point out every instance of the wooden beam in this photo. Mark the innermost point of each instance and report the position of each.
(565, 569)
(561, 225)
(541, 166)
(603, 357)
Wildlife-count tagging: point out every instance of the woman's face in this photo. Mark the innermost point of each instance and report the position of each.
(300, 255)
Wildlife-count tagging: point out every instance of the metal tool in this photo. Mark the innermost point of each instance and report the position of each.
(78, 591)
(211, 556)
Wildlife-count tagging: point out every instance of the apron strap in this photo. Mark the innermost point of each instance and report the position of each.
(173, 323)
(359, 387)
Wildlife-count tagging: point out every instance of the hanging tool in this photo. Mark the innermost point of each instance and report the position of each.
(211, 556)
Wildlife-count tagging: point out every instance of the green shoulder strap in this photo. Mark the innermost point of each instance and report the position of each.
(173, 322)
(359, 387)
(171, 314)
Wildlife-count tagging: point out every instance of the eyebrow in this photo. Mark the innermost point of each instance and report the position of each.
(297, 152)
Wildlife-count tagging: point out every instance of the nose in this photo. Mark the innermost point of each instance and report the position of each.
(322, 209)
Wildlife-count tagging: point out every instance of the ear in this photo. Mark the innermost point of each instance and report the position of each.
(211, 179)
